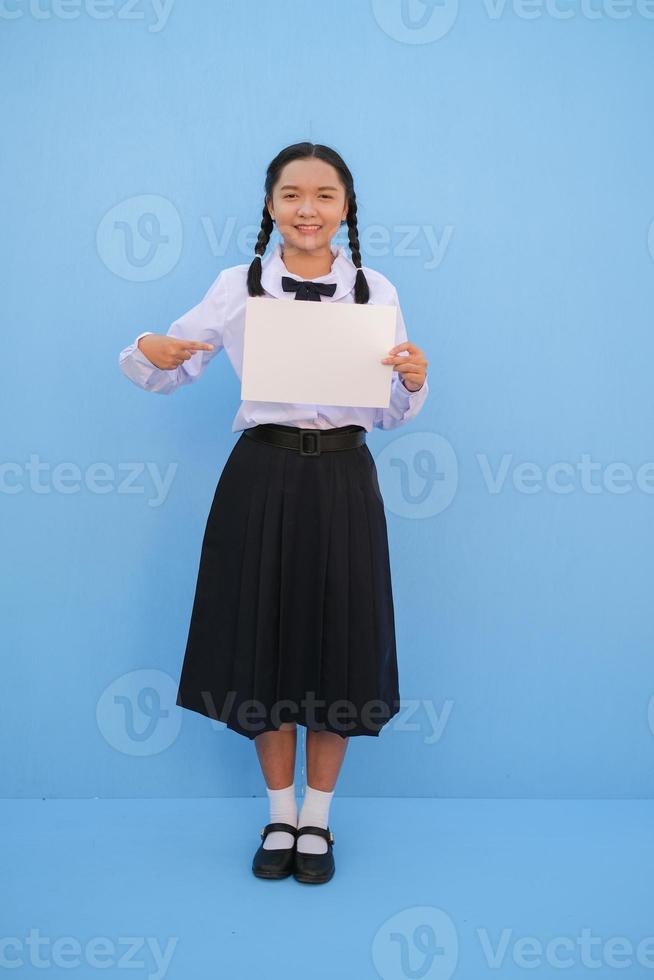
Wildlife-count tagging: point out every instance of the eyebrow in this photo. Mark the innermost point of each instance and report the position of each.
(294, 187)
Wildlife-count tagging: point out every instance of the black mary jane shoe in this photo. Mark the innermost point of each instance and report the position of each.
(314, 868)
(274, 862)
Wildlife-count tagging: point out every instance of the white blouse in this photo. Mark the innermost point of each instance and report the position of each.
(219, 319)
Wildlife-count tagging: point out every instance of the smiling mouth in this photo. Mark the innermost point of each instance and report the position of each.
(309, 227)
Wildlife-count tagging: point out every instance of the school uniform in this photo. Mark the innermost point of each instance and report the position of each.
(292, 619)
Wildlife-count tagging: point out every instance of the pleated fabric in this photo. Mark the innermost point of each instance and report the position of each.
(293, 619)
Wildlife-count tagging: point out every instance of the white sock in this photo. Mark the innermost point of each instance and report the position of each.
(314, 813)
(283, 809)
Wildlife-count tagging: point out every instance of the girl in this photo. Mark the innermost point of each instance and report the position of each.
(292, 621)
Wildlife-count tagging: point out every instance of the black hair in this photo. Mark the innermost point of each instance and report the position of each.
(301, 151)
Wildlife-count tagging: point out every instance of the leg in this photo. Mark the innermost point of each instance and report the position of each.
(276, 752)
(325, 752)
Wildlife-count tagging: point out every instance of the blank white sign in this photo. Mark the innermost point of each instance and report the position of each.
(317, 353)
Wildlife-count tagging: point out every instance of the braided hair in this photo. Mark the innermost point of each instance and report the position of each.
(301, 151)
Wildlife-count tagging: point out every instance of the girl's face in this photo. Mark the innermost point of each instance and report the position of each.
(308, 205)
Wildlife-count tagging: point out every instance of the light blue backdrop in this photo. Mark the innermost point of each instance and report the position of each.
(503, 156)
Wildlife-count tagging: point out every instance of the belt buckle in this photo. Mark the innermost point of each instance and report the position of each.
(315, 435)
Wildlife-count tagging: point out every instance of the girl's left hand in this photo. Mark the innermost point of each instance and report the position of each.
(413, 367)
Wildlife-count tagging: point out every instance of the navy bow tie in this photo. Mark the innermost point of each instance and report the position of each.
(305, 289)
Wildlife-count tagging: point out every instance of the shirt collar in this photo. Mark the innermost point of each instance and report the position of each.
(343, 273)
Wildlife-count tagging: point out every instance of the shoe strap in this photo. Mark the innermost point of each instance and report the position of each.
(319, 831)
(289, 828)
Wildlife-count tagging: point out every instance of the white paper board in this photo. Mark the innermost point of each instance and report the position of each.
(317, 353)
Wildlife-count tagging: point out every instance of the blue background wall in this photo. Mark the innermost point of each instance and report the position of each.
(502, 157)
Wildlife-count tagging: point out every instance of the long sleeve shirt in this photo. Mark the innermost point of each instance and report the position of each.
(219, 319)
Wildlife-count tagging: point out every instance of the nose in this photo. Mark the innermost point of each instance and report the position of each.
(306, 209)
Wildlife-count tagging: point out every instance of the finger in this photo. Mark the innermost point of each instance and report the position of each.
(193, 345)
(400, 360)
(416, 355)
(410, 371)
(407, 345)
(413, 372)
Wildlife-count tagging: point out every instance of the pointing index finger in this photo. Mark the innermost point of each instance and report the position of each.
(195, 345)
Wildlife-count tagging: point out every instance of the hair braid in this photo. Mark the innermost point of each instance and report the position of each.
(361, 290)
(254, 272)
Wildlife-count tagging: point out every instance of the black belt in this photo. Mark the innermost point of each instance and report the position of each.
(308, 442)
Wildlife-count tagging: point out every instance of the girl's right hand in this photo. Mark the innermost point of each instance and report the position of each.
(167, 353)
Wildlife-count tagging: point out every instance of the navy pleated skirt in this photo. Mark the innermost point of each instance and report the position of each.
(292, 619)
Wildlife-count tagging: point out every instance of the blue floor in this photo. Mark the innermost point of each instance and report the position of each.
(424, 888)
